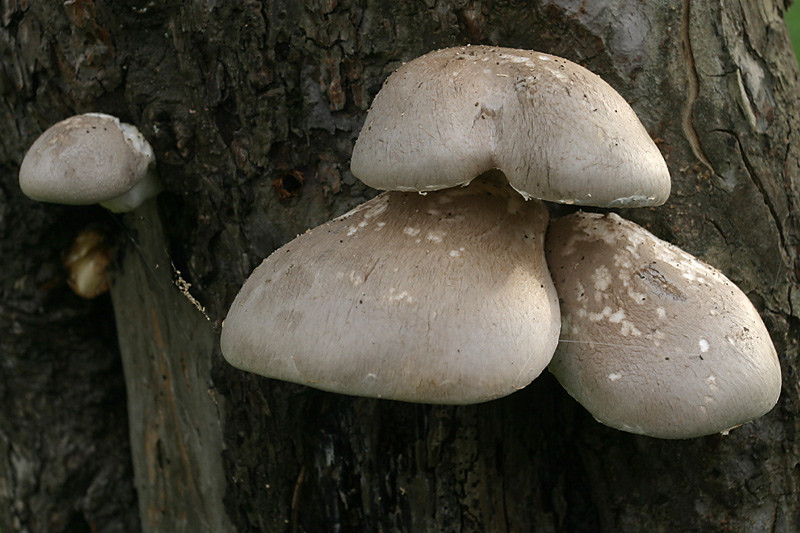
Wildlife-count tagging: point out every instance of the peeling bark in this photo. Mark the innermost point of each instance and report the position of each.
(252, 108)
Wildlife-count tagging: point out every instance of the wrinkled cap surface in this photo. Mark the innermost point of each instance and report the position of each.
(653, 341)
(443, 298)
(85, 159)
(557, 131)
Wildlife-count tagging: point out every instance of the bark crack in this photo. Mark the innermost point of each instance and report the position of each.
(751, 171)
(774, 517)
(719, 229)
(693, 82)
(295, 506)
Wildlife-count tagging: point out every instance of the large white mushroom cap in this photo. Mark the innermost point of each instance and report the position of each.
(557, 131)
(443, 298)
(653, 341)
(88, 159)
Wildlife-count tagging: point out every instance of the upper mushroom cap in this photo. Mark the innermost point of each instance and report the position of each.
(557, 131)
(653, 341)
(443, 298)
(87, 159)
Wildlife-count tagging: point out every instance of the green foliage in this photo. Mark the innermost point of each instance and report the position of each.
(793, 21)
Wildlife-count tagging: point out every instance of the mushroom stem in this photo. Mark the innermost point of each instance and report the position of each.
(149, 186)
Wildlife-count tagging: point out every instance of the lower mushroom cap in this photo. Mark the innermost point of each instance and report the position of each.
(654, 341)
(443, 298)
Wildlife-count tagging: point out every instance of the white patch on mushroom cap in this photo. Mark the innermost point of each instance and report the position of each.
(617, 317)
(435, 235)
(602, 278)
(629, 329)
(395, 295)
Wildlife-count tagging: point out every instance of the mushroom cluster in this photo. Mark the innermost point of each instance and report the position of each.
(445, 297)
(438, 291)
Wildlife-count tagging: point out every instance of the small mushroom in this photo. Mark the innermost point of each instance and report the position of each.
(653, 341)
(88, 159)
(442, 298)
(557, 131)
(86, 262)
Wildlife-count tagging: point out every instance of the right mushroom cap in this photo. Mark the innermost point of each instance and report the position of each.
(557, 131)
(653, 341)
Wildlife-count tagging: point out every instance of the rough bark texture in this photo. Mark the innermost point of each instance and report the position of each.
(252, 108)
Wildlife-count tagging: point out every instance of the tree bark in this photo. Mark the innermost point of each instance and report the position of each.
(166, 343)
(253, 108)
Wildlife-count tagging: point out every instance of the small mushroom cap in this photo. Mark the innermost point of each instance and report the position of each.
(557, 131)
(88, 159)
(653, 341)
(443, 298)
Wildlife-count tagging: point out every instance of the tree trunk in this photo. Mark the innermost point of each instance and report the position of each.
(253, 108)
